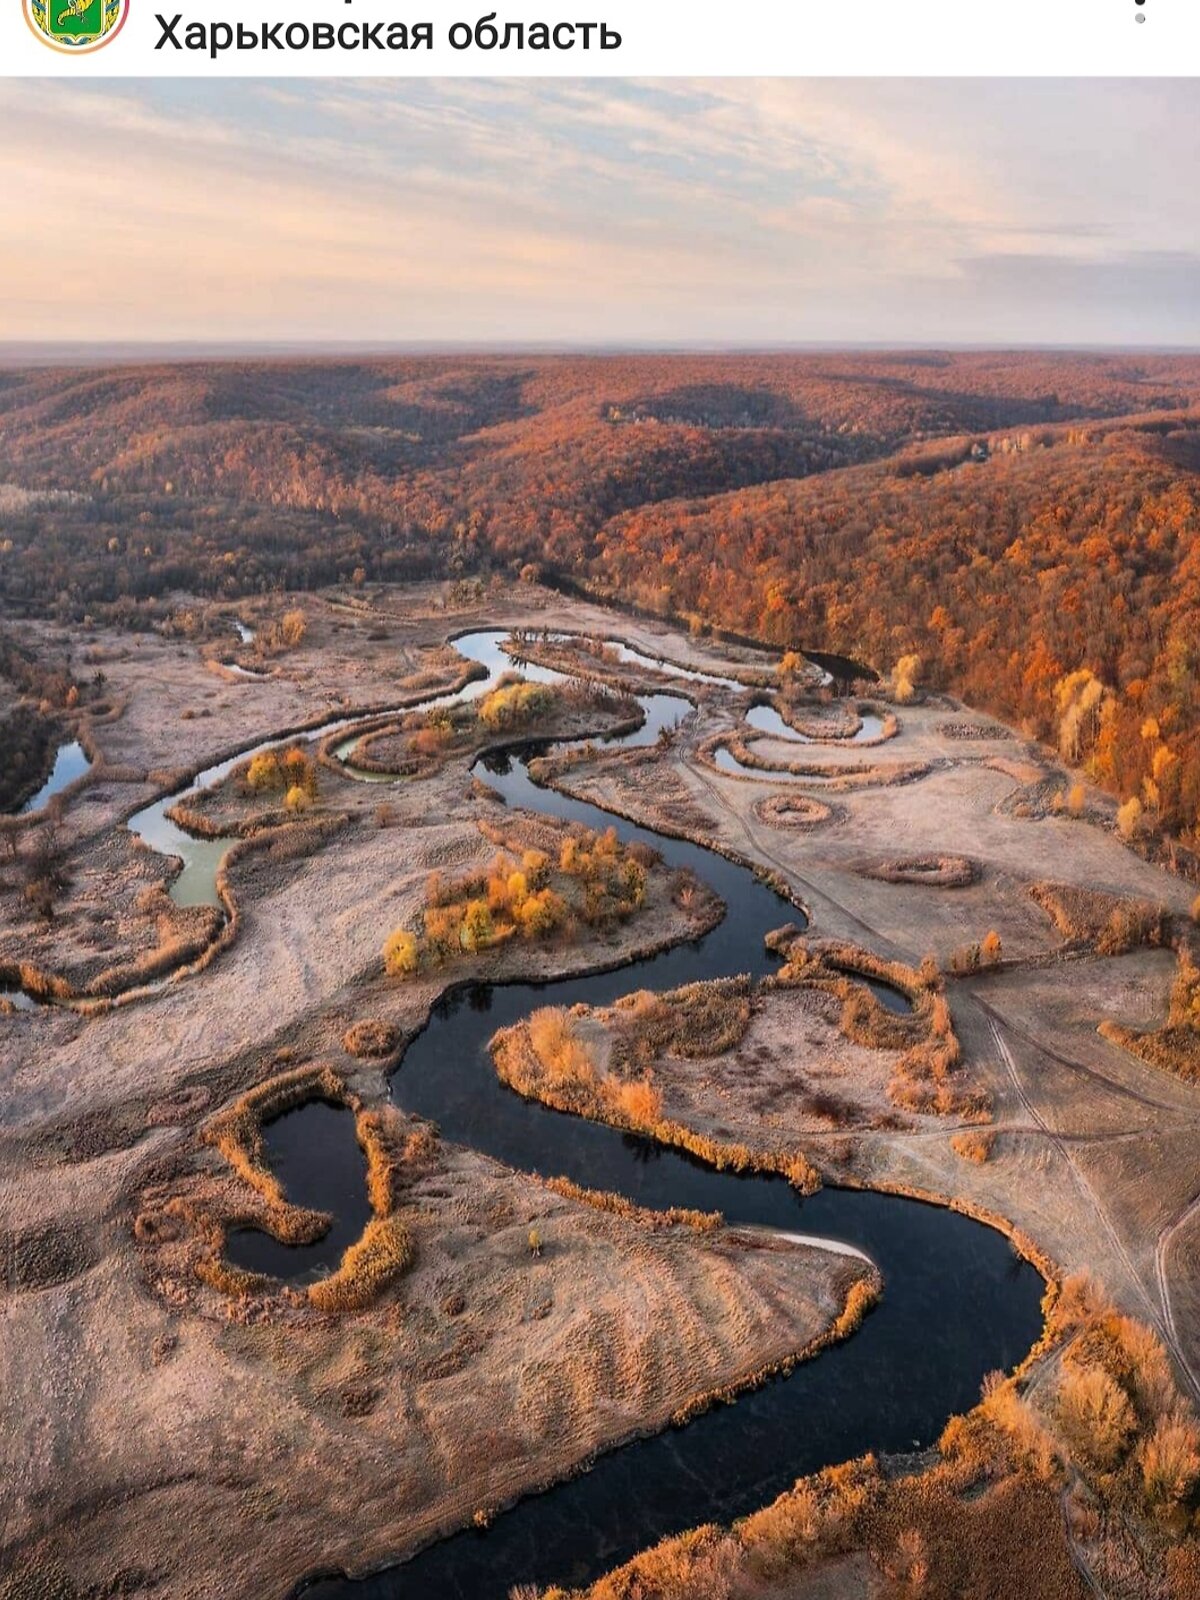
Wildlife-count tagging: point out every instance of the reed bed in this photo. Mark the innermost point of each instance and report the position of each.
(376, 1259)
(837, 778)
(548, 1058)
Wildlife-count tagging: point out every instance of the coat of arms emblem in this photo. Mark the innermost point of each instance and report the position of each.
(76, 26)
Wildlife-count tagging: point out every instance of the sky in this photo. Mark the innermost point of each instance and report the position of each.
(731, 211)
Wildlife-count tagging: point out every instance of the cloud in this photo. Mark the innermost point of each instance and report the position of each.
(601, 210)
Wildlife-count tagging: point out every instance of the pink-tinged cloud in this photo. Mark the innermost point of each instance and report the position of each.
(723, 210)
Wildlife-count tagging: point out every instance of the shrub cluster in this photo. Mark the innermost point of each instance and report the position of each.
(515, 705)
(792, 811)
(977, 956)
(618, 1205)
(935, 872)
(695, 1021)
(291, 773)
(281, 634)
(1112, 926)
(370, 1038)
(596, 881)
(973, 1145)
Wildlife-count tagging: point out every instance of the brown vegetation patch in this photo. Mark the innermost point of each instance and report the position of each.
(935, 872)
(1037, 793)
(862, 1292)
(685, 1068)
(178, 1108)
(1175, 1047)
(371, 1038)
(701, 1019)
(443, 672)
(86, 931)
(630, 783)
(839, 726)
(975, 1145)
(1109, 924)
(183, 934)
(973, 730)
(41, 1257)
(195, 1219)
(554, 1057)
(618, 1206)
(838, 778)
(927, 1078)
(792, 811)
(375, 1259)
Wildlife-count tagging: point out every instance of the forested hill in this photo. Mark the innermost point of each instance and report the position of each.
(1015, 520)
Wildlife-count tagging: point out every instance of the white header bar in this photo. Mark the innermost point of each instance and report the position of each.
(658, 38)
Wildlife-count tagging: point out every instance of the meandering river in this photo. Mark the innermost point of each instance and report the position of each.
(957, 1303)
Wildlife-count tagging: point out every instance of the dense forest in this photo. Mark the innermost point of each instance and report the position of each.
(1027, 524)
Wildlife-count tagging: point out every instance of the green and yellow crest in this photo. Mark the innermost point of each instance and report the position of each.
(76, 25)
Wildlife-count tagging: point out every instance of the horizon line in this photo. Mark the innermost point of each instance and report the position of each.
(91, 352)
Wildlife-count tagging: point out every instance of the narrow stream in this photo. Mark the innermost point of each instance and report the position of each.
(630, 655)
(70, 762)
(765, 719)
(725, 761)
(617, 651)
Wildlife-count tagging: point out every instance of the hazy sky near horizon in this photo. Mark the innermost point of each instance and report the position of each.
(733, 210)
